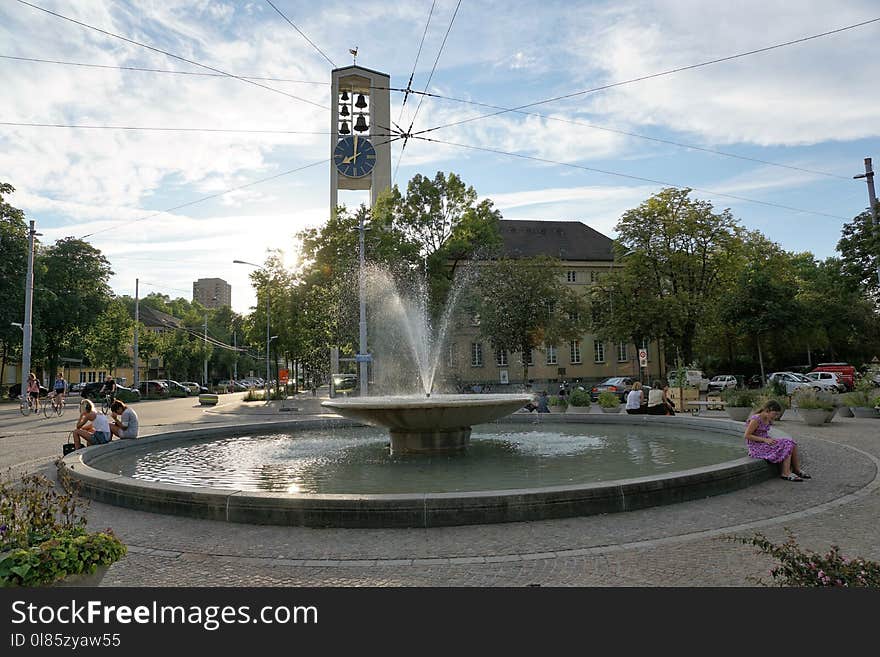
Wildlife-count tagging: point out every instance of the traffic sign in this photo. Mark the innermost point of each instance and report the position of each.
(364, 358)
(643, 357)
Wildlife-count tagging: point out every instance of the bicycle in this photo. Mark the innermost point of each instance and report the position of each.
(28, 405)
(53, 406)
(105, 404)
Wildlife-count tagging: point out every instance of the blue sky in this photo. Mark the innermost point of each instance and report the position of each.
(810, 105)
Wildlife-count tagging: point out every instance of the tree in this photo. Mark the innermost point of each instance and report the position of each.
(681, 249)
(73, 285)
(524, 304)
(13, 268)
(859, 248)
(110, 336)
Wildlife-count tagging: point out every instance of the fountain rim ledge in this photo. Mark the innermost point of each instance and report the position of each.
(387, 510)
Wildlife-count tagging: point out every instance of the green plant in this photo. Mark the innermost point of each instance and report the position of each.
(579, 398)
(777, 389)
(809, 400)
(559, 401)
(42, 533)
(608, 400)
(769, 394)
(860, 398)
(740, 397)
(800, 567)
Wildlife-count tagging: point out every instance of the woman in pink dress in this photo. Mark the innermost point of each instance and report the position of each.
(776, 450)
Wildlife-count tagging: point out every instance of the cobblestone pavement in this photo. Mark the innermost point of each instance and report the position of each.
(685, 544)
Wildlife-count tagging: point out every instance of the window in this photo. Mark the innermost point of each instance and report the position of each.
(575, 346)
(551, 354)
(82, 377)
(91, 377)
(530, 356)
(476, 354)
(594, 276)
(571, 276)
(501, 357)
(621, 352)
(450, 356)
(598, 352)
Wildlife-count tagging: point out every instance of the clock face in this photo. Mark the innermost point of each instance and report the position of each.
(354, 156)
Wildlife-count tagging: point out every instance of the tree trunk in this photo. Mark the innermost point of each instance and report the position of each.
(3, 362)
(761, 360)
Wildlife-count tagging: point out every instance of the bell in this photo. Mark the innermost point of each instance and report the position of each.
(344, 129)
(361, 102)
(344, 95)
(344, 111)
(361, 125)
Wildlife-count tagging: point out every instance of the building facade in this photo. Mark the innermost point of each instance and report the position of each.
(587, 256)
(212, 292)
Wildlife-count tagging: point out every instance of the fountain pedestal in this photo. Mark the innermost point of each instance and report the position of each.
(420, 425)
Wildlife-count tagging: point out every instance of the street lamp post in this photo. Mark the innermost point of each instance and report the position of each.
(268, 339)
(27, 328)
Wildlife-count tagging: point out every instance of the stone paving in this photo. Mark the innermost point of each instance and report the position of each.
(679, 545)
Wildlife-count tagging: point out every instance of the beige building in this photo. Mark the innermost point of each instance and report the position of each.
(212, 292)
(586, 255)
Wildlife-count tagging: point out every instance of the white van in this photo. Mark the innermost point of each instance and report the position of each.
(693, 379)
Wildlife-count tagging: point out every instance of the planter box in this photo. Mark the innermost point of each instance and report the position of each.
(615, 409)
(83, 579)
(208, 399)
(844, 411)
(864, 411)
(578, 409)
(829, 415)
(814, 417)
(739, 413)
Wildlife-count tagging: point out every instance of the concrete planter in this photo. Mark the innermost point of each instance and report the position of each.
(739, 413)
(814, 417)
(829, 415)
(83, 579)
(844, 411)
(208, 399)
(864, 411)
(578, 409)
(613, 409)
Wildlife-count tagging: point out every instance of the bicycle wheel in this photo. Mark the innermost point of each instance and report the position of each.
(25, 406)
(59, 410)
(48, 409)
(105, 406)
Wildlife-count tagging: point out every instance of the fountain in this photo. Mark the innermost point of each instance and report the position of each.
(427, 423)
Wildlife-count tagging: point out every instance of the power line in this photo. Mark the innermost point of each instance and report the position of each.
(169, 54)
(408, 89)
(158, 129)
(427, 84)
(593, 126)
(653, 75)
(631, 177)
(301, 33)
(157, 70)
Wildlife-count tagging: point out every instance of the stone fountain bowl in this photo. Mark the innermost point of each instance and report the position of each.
(428, 424)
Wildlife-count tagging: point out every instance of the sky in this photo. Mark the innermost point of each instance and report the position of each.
(810, 107)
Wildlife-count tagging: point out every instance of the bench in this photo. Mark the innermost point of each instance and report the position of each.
(698, 406)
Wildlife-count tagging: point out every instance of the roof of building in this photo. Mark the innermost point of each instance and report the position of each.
(566, 240)
(151, 317)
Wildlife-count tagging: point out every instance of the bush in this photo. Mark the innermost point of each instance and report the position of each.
(579, 397)
(799, 567)
(809, 400)
(740, 397)
(860, 398)
(608, 400)
(559, 401)
(769, 394)
(777, 389)
(43, 536)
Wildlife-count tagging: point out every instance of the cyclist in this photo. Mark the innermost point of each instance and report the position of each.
(109, 389)
(60, 387)
(33, 391)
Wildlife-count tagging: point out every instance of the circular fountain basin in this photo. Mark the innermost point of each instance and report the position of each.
(422, 425)
(526, 467)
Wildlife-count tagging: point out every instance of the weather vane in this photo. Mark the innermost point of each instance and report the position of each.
(354, 53)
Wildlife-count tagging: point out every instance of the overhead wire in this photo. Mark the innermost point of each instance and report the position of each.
(160, 129)
(427, 84)
(408, 89)
(653, 75)
(158, 70)
(629, 176)
(170, 54)
(301, 33)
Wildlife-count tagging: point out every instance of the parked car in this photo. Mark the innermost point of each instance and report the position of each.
(827, 381)
(233, 386)
(722, 382)
(693, 378)
(93, 391)
(15, 391)
(176, 389)
(152, 388)
(791, 380)
(345, 384)
(755, 381)
(619, 385)
(76, 387)
(194, 388)
(845, 372)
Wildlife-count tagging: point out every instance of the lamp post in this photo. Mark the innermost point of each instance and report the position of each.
(27, 327)
(268, 339)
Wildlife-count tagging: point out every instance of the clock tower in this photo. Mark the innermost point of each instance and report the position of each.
(360, 122)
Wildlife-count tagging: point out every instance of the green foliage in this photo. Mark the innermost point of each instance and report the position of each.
(109, 337)
(43, 536)
(800, 567)
(809, 400)
(766, 394)
(608, 399)
(777, 388)
(580, 398)
(13, 267)
(859, 244)
(740, 398)
(558, 401)
(861, 398)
